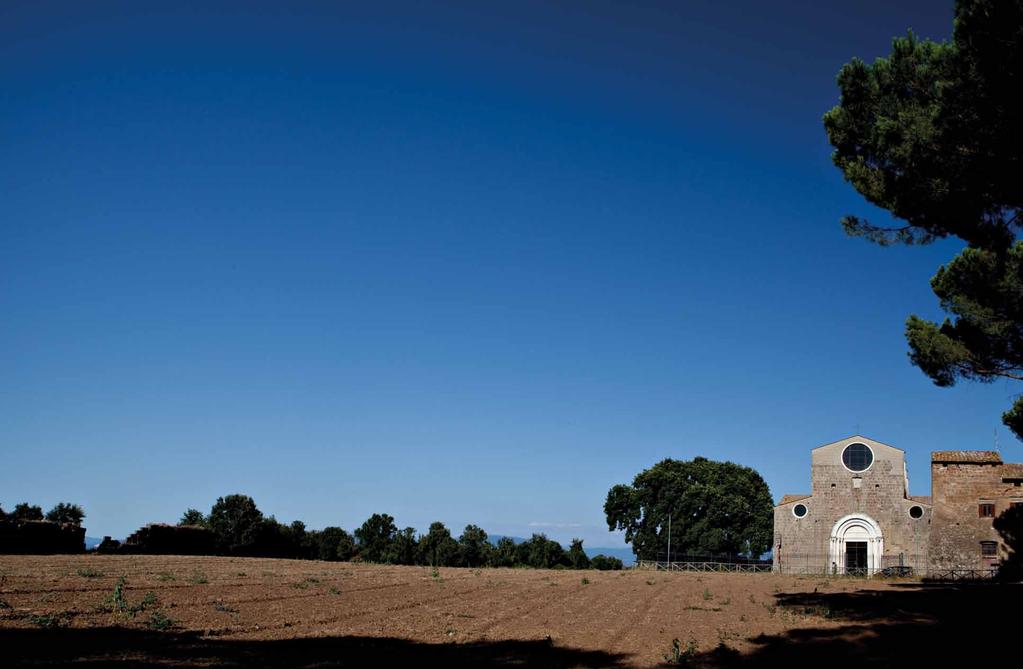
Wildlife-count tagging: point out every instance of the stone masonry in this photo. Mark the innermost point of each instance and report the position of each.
(859, 516)
(961, 483)
(870, 506)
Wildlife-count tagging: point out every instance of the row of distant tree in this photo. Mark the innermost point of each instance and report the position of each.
(27, 530)
(240, 528)
(64, 512)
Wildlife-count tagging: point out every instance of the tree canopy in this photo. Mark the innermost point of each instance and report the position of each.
(237, 522)
(577, 556)
(26, 511)
(65, 512)
(236, 526)
(931, 133)
(192, 517)
(438, 547)
(62, 512)
(474, 547)
(376, 538)
(715, 508)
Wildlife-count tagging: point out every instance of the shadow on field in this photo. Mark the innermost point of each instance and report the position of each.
(904, 625)
(123, 647)
(899, 626)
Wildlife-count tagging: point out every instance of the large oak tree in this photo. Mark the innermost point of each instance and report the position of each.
(715, 508)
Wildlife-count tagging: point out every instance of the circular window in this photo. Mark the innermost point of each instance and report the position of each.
(799, 510)
(857, 457)
(915, 512)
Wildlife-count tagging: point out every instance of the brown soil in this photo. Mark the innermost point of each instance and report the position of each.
(207, 611)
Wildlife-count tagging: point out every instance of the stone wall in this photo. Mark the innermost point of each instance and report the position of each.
(879, 493)
(948, 532)
(960, 482)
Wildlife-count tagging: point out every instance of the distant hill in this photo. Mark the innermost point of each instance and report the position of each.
(623, 553)
(92, 542)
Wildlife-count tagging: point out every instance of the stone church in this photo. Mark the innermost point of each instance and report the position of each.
(860, 518)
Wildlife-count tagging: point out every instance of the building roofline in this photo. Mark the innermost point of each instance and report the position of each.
(966, 457)
(789, 499)
(857, 436)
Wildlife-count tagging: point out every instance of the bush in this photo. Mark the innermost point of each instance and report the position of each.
(163, 539)
(108, 545)
(542, 553)
(40, 537)
(606, 563)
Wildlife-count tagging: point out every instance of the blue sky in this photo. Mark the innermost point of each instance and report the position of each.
(469, 262)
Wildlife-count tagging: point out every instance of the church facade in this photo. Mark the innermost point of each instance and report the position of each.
(860, 518)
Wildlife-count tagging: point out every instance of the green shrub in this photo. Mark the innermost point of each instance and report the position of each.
(50, 620)
(159, 621)
(680, 655)
(606, 563)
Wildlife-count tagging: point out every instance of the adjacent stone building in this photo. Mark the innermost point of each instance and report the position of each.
(860, 518)
(970, 489)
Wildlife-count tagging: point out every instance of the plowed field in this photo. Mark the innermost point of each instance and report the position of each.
(205, 611)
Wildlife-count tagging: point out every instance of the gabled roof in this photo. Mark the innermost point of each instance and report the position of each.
(788, 499)
(967, 457)
(858, 437)
(923, 499)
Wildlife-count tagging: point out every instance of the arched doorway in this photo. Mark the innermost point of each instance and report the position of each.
(856, 545)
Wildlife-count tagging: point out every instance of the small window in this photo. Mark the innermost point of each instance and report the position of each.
(987, 510)
(915, 512)
(988, 548)
(1015, 504)
(799, 510)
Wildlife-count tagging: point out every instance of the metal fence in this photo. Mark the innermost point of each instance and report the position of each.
(705, 563)
(902, 564)
(961, 574)
(705, 566)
